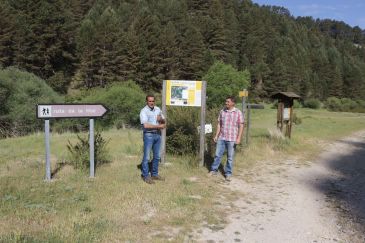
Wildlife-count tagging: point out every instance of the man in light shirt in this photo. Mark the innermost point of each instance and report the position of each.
(152, 122)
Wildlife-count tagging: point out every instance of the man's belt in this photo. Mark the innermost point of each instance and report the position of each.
(154, 132)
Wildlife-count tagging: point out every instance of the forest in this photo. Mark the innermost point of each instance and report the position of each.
(77, 45)
(88, 43)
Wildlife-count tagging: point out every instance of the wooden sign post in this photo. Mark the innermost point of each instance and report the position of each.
(246, 111)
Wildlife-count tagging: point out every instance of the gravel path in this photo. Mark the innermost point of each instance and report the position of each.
(291, 201)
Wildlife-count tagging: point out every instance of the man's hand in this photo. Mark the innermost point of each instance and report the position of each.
(238, 141)
(215, 139)
(161, 126)
(160, 120)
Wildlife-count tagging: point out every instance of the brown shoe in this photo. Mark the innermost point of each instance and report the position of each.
(158, 178)
(148, 180)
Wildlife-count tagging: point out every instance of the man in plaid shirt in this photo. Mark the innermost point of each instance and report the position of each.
(229, 133)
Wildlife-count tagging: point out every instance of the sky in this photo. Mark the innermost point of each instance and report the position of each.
(352, 12)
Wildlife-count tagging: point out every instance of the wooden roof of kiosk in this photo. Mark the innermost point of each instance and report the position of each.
(285, 95)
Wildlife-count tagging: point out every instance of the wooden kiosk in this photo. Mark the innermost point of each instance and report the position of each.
(285, 110)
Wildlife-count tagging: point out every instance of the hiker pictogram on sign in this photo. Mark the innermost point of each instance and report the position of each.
(45, 111)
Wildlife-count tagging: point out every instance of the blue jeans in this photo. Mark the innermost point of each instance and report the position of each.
(221, 146)
(151, 141)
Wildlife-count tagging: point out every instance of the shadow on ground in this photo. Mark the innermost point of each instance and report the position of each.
(346, 189)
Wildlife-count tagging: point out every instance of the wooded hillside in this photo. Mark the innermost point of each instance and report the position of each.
(88, 43)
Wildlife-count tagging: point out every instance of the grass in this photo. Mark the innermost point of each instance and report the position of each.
(116, 205)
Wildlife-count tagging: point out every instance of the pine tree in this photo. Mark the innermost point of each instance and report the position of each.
(193, 52)
(6, 35)
(98, 44)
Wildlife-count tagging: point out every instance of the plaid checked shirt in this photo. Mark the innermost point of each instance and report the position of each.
(229, 122)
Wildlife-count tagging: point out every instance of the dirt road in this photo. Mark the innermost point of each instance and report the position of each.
(293, 201)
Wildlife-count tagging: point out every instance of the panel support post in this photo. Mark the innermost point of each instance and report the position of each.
(202, 123)
(163, 132)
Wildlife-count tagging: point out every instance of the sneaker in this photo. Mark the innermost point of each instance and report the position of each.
(157, 178)
(228, 177)
(148, 180)
(213, 173)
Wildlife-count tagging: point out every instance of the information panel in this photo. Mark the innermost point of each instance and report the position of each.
(183, 93)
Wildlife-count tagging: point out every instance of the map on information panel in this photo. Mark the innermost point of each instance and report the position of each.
(183, 92)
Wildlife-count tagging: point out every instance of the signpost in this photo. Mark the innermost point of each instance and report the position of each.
(247, 107)
(52, 111)
(243, 94)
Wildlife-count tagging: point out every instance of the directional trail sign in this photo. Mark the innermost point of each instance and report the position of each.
(48, 111)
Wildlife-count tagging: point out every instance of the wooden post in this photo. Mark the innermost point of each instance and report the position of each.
(280, 116)
(202, 123)
(248, 122)
(290, 121)
(163, 138)
(244, 108)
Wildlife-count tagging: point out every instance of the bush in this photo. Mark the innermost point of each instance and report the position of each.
(297, 104)
(312, 103)
(345, 105)
(182, 136)
(181, 132)
(124, 100)
(19, 93)
(348, 104)
(274, 104)
(223, 80)
(80, 152)
(333, 104)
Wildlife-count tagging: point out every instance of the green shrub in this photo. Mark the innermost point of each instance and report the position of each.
(181, 132)
(348, 104)
(124, 100)
(345, 105)
(80, 152)
(275, 104)
(312, 103)
(223, 80)
(333, 104)
(297, 104)
(182, 135)
(19, 93)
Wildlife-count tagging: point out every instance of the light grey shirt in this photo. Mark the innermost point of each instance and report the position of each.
(150, 116)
